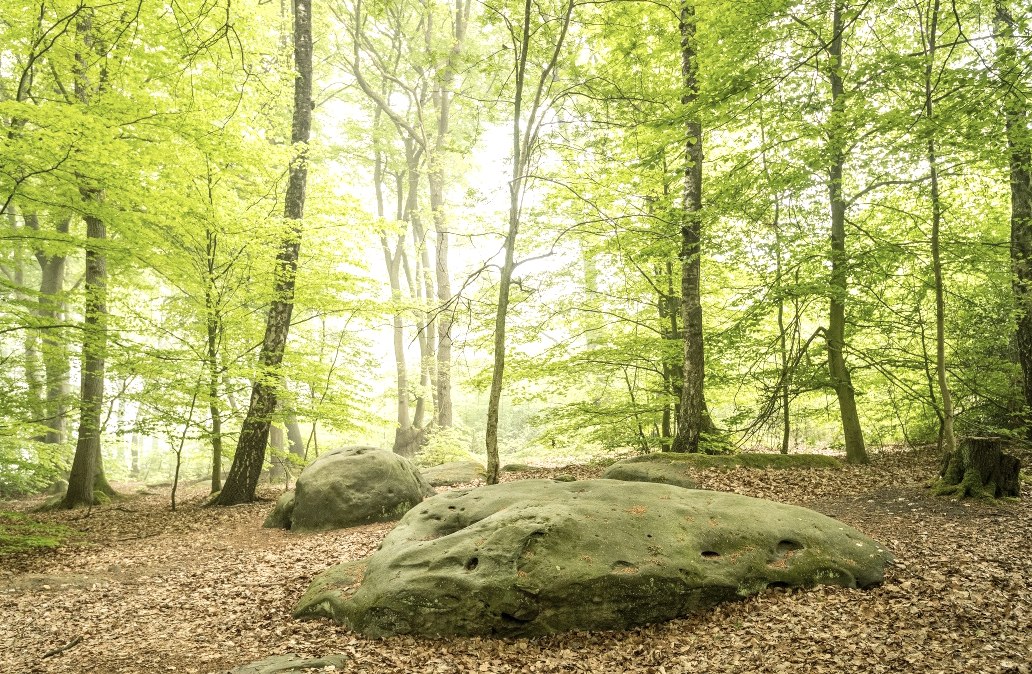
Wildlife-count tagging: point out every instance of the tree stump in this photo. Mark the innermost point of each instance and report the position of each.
(979, 467)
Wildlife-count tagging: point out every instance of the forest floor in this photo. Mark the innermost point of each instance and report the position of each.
(205, 590)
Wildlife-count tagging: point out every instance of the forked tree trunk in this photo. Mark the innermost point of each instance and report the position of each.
(979, 467)
(254, 433)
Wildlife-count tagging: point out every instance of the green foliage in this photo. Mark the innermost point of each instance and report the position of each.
(446, 445)
(28, 466)
(19, 533)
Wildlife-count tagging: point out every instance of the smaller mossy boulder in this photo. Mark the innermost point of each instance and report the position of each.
(454, 472)
(348, 487)
(655, 470)
(518, 468)
(536, 557)
(759, 460)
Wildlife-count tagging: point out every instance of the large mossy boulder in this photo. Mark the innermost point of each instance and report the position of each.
(538, 556)
(348, 487)
(454, 472)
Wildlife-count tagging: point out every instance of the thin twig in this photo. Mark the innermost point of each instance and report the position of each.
(62, 649)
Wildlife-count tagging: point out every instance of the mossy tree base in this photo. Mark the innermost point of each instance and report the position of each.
(979, 468)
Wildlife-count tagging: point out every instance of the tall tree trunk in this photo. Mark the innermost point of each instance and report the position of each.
(436, 178)
(250, 453)
(52, 344)
(856, 452)
(424, 276)
(524, 138)
(213, 324)
(406, 437)
(87, 467)
(295, 441)
(494, 399)
(949, 440)
(1017, 117)
(694, 418)
(87, 473)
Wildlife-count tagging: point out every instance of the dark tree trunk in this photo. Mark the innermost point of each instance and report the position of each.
(856, 452)
(979, 467)
(694, 419)
(254, 433)
(1019, 145)
(87, 473)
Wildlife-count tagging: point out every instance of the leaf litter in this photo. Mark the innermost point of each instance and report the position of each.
(142, 589)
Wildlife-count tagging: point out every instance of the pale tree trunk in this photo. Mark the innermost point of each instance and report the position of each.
(414, 139)
(1017, 117)
(406, 437)
(436, 178)
(295, 441)
(213, 324)
(694, 418)
(948, 438)
(52, 344)
(424, 276)
(250, 453)
(784, 389)
(856, 452)
(30, 341)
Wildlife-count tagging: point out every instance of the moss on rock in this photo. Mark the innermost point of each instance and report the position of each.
(348, 487)
(455, 472)
(538, 556)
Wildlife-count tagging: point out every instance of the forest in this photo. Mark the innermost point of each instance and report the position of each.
(779, 250)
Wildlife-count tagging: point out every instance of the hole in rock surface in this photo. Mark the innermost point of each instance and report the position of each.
(787, 545)
(710, 554)
(510, 618)
(472, 563)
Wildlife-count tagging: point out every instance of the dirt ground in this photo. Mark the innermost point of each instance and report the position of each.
(205, 590)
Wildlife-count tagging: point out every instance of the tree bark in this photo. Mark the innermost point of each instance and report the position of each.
(1017, 117)
(87, 465)
(250, 453)
(856, 452)
(694, 419)
(524, 138)
(437, 178)
(52, 344)
(87, 474)
(948, 438)
(213, 324)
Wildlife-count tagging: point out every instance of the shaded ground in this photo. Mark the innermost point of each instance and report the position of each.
(203, 590)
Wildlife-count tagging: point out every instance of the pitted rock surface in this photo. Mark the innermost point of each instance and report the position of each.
(537, 556)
